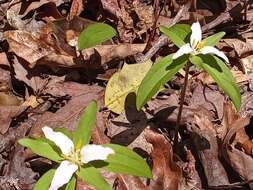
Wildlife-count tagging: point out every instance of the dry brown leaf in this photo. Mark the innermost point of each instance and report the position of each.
(36, 4)
(48, 51)
(238, 159)
(7, 113)
(126, 182)
(76, 8)
(68, 115)
(5, 80)
(166, 173)
(127, 129)
(4, 60)
(208, 97)
(16, 21)
(27, 46)
(241, 48)
(206, 142)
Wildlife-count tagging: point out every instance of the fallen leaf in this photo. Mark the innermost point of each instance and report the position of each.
(126, 182)
(123, 83)
(4, 60)
(166, 173)
(208, 97)
(206, 143)
(80, 95)
(7, 113)
(17, 21)
(32, 47)
(76, 9)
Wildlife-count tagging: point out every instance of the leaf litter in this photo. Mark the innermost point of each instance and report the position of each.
(44, 80)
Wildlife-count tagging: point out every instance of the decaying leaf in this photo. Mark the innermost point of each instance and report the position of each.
(206, 142)
(16, 21)
(233, 128)
(166, 173)
(123, 83)
(27, 45)
(7, 113)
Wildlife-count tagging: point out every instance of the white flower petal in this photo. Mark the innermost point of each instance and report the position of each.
(184, 49)
(196, 35)
(93, 152)
(62, 141)
(63, 174)
(213, 50)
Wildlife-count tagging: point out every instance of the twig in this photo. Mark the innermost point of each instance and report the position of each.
(224, 17)
(163, 40)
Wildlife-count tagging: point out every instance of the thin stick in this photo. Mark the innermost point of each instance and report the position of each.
(182, 97)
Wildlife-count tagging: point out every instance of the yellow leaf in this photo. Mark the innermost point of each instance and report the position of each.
(124, 82)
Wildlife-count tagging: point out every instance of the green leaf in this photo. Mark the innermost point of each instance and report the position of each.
(71, 184)
(221, 75)
(82, 134)
(126, 161)
(213, 40)
(95, 34)
(179, 34)
(92, 176)
(161, 72)
(41, 148)
(44, 182)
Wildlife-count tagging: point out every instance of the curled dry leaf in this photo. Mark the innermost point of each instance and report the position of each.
(233, 125)
(48, 51)
(241, 48)
(28, 46)
(76, 8)
(36, 4)
(17, 21)
(166, 173)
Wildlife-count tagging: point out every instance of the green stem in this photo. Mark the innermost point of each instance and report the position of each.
(182, 97)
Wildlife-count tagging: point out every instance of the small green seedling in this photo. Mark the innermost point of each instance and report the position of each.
(77, 158)
(95, 34)
(192, 49)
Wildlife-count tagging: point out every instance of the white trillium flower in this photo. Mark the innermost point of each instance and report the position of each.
(196, 46)
(72, 158)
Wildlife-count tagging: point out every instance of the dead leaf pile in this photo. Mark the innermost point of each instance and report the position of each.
(46, 80)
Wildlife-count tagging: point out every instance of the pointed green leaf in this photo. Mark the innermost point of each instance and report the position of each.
(44, 182)
(92, 176)
(41, 148)
(82, 134)
(213, 40)
(71, 184)
(161, 72)
(179, 34)
(221, 75)
(95, 34)
(126, 161)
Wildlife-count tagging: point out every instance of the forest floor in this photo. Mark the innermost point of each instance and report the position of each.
(45, 81)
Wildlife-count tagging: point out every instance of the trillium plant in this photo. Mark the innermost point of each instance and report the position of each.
(77, 158)
(192, 50)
